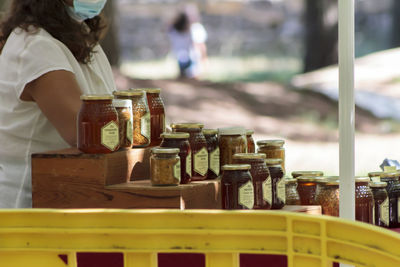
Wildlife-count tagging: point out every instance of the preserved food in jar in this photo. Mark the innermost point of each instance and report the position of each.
(236, 187)
(251, 147)
(198, 145)
(98, 131)
(292, 196)
(364, 200)
(181, 141)
(277, 182)
(165, 166)
(157, 114)
(328, 196)
(380, 212)
(307, 188)
(375, 176)
(296, 174)
(141, 116)
(213, 153)
(393, 191)
(273, 149)
(124, 110)
(262, 182)
(231, 141)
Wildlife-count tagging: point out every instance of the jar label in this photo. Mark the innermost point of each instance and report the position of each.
(177, 170)
(189, 164)
(384, 214)
(145, 125)
(373, 212)
(246, 195)
(267, 190)
(201, 161)
(281, 189)
(129, 131)
(110, 135)
(214, 161)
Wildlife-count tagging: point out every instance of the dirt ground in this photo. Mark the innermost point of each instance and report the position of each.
(305, 119)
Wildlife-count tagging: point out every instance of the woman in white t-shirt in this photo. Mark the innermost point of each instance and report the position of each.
(49, 57)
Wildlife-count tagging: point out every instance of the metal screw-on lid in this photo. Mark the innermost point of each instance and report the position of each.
(377, 184)
(175, 135)
(362, 179)
(290, 181)
(307, 173)
(96, 97)
(328, 181)
(309, 179)
(232, 131)
(276, 143)
(128, 93)
(236, 167)
(210, 131)
(390, 175)
(273, 161)
(249, 132)
(374, 174)
(187, 125)
(162, 150)
(151, 90)
(249, 156)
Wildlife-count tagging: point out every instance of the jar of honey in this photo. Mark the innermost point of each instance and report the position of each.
(141, 116)
(157, 114)
(198, 145)
(307, 188)
(278, 189)
(364, 200)
(328, 196)
(262, 183)
(375, 176)
(296, 174)
(292, 196)
(251, 147)
(273, 149)
(236, 187)
(231, 141)
(213, 153)
(165, 166)
(98, 130)
(380, 212)
(124, 110)
(393, 191)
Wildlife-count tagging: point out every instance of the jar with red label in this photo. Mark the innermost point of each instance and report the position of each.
(364, 200)
(181, 141)
(213, 153)
(157, 114)
(198, 144)
(380, 213)
(251, 147)
(296, 174)
(278, 191)
(231, 141)
(236, 187)
(262, 181)
(307, 188)
(124, 110)
(98, 130)
(273, 149)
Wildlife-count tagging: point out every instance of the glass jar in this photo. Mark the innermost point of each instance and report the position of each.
(292, 196)
(198, 145)
(296, 174)
(251, 147)
(364, 200)
(328, 196)
(375, 176)
(262, 182)
(393, 191)
(165, 166)
(124, 110)
(181, 141)
(278, 183)
(141, 116)
(213, 153)
(381, 204)
(231, 141)
(157, 114)
(307, 188)
(236, 187)
(273, 149)
(98, 131)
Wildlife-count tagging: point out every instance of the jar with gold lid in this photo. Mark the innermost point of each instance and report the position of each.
(236, 187)
(157, 114)
(273, 149)
(251, 147)
(141, 116)
(98, 130)
(364, 200)
(124, 110)
(307, 188)
(180, 141)
(262, 182)
(393, 191)
(165, 166)
(328, 196)
(375, 176)
(231, 141)
(213, 153)
(278, 186)
(198, 145)
(296, 174)
(292, 196)
(380, 212)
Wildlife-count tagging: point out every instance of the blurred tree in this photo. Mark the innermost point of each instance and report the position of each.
(395, 23)
(110, 42)
(321, 37)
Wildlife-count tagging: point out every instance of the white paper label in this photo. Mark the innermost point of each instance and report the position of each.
(177, 170)
(110, 135)
(384, 214)
(145, 125)
(267, 190)
(201, 161)
(214, 161)
(189, 164)
(281, 188)
(246, 195)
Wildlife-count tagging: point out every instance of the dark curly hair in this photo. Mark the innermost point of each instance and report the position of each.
(52, 16)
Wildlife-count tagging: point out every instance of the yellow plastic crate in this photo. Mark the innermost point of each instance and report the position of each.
(36, 237)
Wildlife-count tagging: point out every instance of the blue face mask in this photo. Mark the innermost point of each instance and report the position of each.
(86, 9)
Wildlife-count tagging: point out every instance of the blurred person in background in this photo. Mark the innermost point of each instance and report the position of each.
(49, 57)
(188, 42)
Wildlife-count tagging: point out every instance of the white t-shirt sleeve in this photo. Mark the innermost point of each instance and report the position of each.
(40, 56)
(199, 33)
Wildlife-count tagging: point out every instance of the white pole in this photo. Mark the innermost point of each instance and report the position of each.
(346, 108)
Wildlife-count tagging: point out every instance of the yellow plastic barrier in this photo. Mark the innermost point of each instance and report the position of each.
(33, 237)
